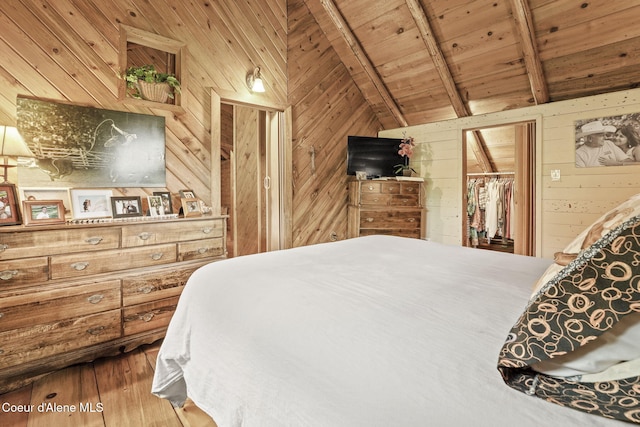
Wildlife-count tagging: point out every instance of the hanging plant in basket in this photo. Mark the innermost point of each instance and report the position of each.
(146, 82)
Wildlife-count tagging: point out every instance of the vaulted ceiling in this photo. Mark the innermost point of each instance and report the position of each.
(420, 61)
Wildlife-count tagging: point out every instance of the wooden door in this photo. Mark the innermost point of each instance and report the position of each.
(248, 179)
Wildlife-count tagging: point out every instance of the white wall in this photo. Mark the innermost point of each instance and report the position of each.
(563, 208)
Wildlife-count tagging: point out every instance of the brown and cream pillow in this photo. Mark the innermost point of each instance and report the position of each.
(576, 342)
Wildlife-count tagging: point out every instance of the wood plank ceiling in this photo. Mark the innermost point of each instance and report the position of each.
(421, 61)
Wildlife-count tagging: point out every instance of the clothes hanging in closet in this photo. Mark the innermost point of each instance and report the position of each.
(490, 208)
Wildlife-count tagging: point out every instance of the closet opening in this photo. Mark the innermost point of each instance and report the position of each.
(499, 188)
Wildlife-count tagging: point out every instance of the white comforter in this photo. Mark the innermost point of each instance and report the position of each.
(374, 331)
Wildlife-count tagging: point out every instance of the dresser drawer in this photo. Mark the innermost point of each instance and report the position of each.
(77, 265)
(23, 272)
(375, 199)
(409, 200)
(415, 234)
(394, 219)
(179, 231)
(51, 303)
(51, 242)
(146, 317)
(148, 287)
(200, 249)
(23, 345)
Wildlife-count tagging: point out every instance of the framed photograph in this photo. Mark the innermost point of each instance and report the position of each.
(45, 193)
(608, 141)
(155, 205)
(123, 207)
(191, 207)
(9, 211)
(81, 146)
(165, 196)
(43, 212)
(187, 194)
(88, 204)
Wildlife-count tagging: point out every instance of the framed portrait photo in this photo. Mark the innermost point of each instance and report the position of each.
(48, 193)
(167, 205)
(89, 204)
(155, 205)
(165, 197)
(9, 211)
(191, 207)
(187, 194)
(43, 212)
(124, 207)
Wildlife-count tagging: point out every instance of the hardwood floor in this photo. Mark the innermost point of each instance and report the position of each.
(109, 392)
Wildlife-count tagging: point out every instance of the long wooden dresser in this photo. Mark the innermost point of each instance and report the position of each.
(386, 207)
(71, 293)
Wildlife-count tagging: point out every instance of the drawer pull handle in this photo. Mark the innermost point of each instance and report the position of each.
(94, 299)
(411, 219)
(202, 250)
(8, 274)
(147, 317)
(1, 315)
(207, 230)
(144, 235)
(96, 331)
(147, 289)
(156, 256)
(94, 240)
(369, 219)
(371, 188)
(79, 266)
(3, 247)
(1, 351)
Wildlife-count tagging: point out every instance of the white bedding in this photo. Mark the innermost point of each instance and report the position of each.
(373, 331)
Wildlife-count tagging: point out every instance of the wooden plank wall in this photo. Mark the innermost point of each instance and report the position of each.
(68, 51)
(565, 207)
(326, 108)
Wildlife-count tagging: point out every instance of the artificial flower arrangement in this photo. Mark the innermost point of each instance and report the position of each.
(406, 150)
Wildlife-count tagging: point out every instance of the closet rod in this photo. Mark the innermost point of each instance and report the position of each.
(490, 173)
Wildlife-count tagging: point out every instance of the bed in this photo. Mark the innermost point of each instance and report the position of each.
(371, 331)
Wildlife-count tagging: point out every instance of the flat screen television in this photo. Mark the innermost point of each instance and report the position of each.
(377, 157)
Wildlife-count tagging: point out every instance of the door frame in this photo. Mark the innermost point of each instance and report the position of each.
(529, 160)
(285, 143)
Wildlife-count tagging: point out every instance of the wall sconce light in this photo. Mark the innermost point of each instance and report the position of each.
(254, 81)
(12, 146)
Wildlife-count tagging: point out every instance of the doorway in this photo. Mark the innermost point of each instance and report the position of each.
(500, 161)
(251, 140)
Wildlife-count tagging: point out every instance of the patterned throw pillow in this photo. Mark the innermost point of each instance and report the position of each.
(594, 284)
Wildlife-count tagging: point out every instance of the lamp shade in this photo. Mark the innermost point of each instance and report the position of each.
(12, 144)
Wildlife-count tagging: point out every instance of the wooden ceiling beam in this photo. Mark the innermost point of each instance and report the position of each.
(526, 35)
(359, 56)
(420, 18)
(459, 106)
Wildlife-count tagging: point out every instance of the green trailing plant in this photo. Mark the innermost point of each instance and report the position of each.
(149, 74)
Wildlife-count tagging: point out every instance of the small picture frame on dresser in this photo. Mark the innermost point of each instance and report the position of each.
(43, 212)
(155, 205)
(124, 207)
(9, 211)
(187, 194)
(167, 206)
(191, 207)
(90, 204)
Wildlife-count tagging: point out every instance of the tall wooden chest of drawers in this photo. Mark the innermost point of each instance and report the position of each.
(386, 207)
(71, 293)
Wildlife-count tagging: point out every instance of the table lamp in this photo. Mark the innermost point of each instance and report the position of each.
(12, 146)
